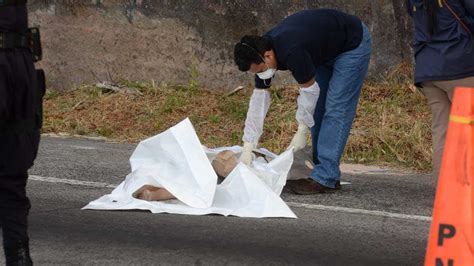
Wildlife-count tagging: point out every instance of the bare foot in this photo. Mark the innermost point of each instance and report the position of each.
(143, 188)
(151, 193)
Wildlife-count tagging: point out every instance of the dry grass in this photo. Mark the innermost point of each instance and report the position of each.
(392, 125)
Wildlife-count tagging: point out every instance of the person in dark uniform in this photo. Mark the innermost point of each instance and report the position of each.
(20, 103)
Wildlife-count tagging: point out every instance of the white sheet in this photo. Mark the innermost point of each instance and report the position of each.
(177, 161)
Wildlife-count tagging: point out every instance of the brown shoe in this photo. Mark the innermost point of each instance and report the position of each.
(309, 186)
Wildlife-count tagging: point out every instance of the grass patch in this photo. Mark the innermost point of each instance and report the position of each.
(392, 124)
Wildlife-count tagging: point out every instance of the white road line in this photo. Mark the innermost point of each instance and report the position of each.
(291, 204)
(83, 147)
(360, 211)
(71, 181)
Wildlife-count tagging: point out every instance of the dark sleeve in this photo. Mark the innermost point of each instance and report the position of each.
(469, 5)
(262, 84)
(301, 65)
(4, 89)
(409, 7)
(469, 18)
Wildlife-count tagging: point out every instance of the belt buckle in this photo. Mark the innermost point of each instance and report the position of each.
(35, 43)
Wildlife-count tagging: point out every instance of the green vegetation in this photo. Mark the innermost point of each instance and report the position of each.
(392, 125)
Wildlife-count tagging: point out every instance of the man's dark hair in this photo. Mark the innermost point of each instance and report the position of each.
(250, 50)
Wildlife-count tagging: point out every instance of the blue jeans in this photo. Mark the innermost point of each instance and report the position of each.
(340, 81)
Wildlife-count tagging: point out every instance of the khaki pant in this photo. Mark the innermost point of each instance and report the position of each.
(440, 96)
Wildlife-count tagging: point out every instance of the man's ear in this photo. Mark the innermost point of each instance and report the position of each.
(270, 58)
(269, 54)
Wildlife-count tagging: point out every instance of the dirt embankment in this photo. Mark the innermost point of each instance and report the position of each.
(170, 41)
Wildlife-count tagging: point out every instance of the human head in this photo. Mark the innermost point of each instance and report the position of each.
(255, 54)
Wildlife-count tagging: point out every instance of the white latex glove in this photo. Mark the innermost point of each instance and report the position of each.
(307, 100)
(247, 156)
(258, 108)
(300, 139)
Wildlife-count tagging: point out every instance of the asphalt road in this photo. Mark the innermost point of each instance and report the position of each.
(381, 218)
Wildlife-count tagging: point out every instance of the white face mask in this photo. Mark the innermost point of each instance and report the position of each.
(267, 74)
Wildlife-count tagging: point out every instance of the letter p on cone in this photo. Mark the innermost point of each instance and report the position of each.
(451, 241)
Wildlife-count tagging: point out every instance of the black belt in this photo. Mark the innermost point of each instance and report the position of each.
(9, 40)
(30, 39)
(12, 2)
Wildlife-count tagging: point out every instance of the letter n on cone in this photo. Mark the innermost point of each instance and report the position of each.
(451, 241)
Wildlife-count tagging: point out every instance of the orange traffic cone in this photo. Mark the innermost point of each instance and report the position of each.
(451, 240)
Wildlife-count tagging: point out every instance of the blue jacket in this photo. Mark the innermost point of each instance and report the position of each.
(449, 53)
